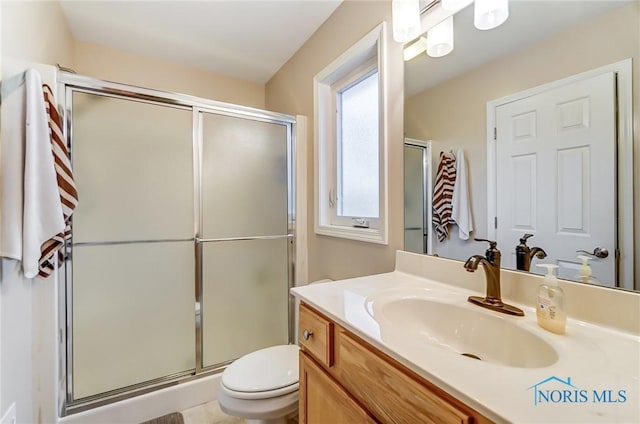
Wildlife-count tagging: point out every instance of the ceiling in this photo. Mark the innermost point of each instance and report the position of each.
(249, 40)
(529, 22)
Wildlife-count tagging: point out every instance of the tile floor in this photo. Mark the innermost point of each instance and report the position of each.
(210, 413)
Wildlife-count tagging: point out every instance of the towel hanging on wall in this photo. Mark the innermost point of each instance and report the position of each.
(442, 195)
(66, 185)
(31, 208)
(461, 203)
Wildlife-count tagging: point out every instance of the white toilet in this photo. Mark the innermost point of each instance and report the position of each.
(262, 386)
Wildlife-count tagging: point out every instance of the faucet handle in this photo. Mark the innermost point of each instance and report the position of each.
(492, 253)
(524, 238)
(492, 244)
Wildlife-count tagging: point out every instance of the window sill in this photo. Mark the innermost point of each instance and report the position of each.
(369, 235)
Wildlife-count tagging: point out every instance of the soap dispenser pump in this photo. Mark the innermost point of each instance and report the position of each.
(550, 303)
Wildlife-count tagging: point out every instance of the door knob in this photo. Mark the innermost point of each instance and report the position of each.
(307, 334)
(598, 252)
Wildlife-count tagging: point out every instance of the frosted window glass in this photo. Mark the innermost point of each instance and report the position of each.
(133, 314)
(359, 150)
(245, 297)
(133, 165)
(244, 177)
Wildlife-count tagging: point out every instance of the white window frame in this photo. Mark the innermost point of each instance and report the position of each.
(364, 56)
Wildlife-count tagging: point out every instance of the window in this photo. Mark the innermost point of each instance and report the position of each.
(350, 144)
(357, 150)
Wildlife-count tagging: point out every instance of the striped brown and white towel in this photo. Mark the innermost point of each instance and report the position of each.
(66, 185)
(442, 195)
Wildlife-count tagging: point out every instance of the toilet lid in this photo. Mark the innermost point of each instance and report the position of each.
(263, 370)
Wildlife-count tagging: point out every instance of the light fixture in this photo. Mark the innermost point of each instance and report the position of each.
(489, 14)
(437, 20)
(440, 38)
(415, 49)
(454, 5)
(405, 15)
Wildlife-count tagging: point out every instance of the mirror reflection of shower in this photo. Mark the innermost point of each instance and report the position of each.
(417, 196)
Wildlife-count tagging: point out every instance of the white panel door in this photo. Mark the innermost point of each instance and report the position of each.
(556, 175)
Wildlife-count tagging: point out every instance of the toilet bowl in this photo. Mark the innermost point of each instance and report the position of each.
(262, 387)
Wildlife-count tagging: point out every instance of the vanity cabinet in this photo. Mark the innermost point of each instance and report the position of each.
(343, 379)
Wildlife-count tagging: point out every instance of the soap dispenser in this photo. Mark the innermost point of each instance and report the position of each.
(584, 273)
(550, 303)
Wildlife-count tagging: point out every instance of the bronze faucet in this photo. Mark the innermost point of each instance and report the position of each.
(524, 254)
(491, 265)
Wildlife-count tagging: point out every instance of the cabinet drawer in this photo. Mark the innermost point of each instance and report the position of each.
(315, 335)
(391, 395)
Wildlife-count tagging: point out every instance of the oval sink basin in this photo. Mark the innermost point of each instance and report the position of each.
(477, 334)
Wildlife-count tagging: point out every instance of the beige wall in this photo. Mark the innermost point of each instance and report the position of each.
(291, 91)
(38, 32)
(116, 65)
(454, 113)
(32, 32)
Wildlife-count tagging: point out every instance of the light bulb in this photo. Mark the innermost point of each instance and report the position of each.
(406, 20)
(488, 14)
(440, 38)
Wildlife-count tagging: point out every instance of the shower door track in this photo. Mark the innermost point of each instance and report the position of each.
(69, 83)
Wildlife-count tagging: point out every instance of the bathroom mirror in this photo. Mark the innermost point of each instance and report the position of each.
(452, 101)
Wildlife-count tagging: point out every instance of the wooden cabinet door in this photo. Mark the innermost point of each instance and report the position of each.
(389, 393)
(323, 401)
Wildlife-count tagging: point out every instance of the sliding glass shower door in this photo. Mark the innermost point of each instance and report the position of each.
(245, 236)
(133, 257)
(181, 253)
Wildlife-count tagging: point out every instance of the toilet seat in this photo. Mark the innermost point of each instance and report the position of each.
(263, 374)
(260, 395)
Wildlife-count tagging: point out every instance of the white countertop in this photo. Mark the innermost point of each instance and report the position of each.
(596, 358)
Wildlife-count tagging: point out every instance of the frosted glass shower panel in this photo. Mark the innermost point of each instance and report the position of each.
(133, 164)
(245, 297)
(133, 314)
(244, 177)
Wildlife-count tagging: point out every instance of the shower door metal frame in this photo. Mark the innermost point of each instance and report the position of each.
(67, 85)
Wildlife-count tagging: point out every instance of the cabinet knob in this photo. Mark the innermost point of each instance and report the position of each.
(306, 334)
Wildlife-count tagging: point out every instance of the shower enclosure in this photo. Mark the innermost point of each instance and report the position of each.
(182, 243)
